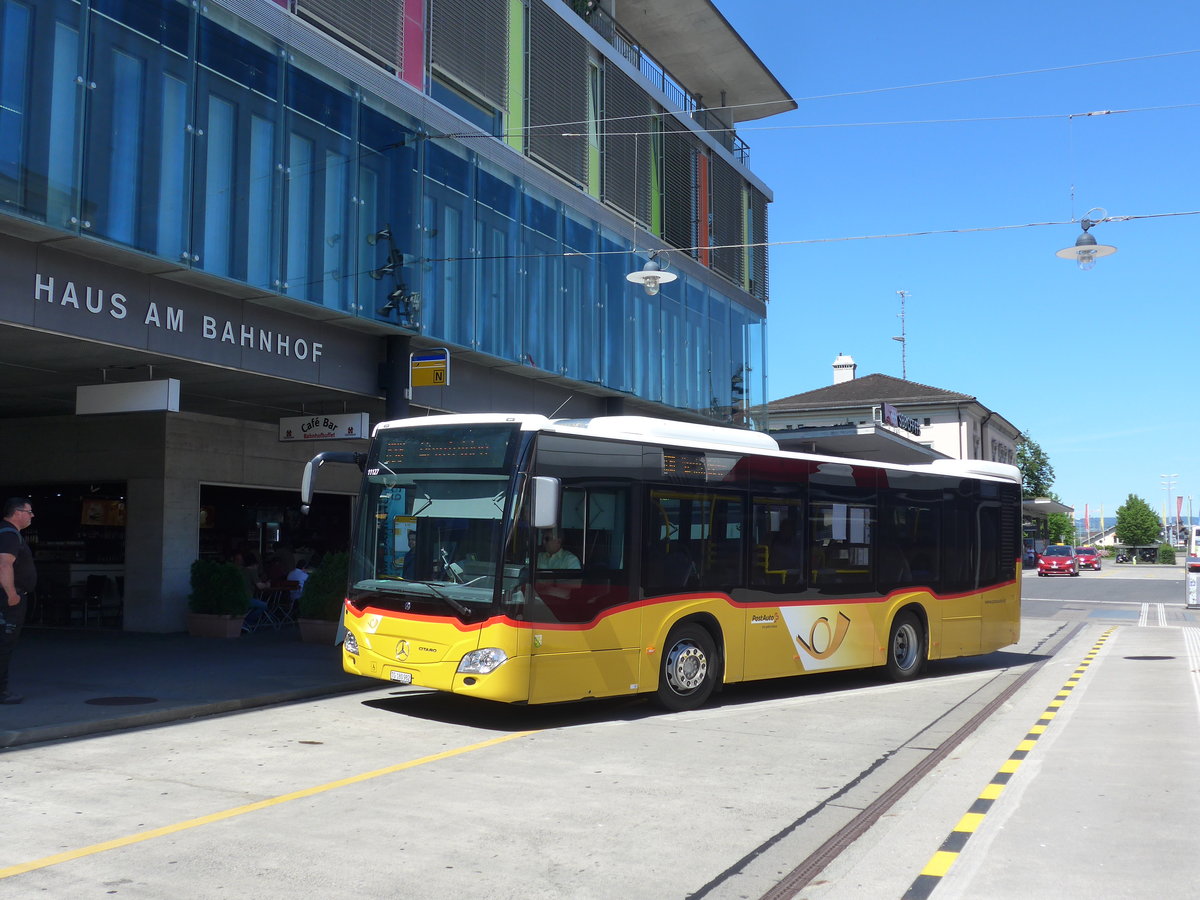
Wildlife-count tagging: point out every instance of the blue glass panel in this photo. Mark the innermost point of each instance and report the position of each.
(218, 180)
(336, 224)
(165, 21)
(720, 360)
(319, 101)
(384, 134)
(543, 301)
(448, 306)
(583, 321)
(14, 61)
(613, 291)
(172, 201)
(671, 313)
(448, 168)
(262, 167)
(126, 140)
(539, 215)
(387, 189)
(63, 145)
(497, 193)
(501, 309)
(299, 214)
(237, 58)
(579, 235)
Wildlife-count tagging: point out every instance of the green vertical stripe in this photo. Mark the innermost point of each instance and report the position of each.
(594, 170)
(656, 200)
(514, 125)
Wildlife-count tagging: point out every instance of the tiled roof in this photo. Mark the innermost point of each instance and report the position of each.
(868, 389)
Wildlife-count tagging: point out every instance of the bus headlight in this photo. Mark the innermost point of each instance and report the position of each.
(350, 643)
(482, 662)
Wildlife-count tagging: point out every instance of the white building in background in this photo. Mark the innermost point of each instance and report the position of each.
(941, 422)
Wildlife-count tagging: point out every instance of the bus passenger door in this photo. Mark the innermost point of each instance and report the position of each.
(777, 572)
(586, 641)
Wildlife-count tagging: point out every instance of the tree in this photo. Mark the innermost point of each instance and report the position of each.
(1137, 523)
(1060, 528)
(1036, 472)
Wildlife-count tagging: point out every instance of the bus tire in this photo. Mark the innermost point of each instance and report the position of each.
(906, 648)
(689, 668)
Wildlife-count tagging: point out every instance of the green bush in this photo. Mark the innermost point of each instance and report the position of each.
(218, 588)
(1166, 554)
(325, 589)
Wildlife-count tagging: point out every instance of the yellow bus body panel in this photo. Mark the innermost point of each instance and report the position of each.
(619, 653)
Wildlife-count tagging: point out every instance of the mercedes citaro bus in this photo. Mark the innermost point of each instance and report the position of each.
(532, 560)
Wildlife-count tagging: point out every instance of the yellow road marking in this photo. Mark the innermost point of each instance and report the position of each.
(969, 822)
(940, 864)
(126, 841)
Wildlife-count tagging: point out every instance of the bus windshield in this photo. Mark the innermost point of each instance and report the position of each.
(432, 521)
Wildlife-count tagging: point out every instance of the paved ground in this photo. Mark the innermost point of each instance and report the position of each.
(78, 682)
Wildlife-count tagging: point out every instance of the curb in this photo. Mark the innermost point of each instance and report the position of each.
(65, 730)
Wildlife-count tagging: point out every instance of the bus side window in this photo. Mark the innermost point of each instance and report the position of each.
(778, 557)
(840, 546)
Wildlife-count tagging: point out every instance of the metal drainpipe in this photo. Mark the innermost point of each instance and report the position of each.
(982, 442)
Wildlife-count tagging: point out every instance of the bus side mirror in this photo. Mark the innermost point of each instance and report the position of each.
(306, 487)
(545, 502)
(306, 479)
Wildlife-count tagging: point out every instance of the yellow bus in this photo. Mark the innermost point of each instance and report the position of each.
(528, 560)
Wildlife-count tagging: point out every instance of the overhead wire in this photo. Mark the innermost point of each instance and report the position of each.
(827, 240)
(865, 91)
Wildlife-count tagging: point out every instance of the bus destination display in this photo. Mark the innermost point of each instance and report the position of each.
(481, 448)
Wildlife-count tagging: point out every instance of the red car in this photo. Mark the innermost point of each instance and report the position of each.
(1088, 558)
(1058, 559)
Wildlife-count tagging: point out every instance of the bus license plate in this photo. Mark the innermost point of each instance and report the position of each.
(402, 677)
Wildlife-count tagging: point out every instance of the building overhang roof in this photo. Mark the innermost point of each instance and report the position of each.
(1043, 506)
(695, 43)
(874, 442)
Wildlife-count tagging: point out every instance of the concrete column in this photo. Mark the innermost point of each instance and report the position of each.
(395, 376)
(161, 542)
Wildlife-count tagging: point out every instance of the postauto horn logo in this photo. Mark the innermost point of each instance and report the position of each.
(817, 638)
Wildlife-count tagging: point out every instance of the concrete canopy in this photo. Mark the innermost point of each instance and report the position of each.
(695, 43)
(871, 441)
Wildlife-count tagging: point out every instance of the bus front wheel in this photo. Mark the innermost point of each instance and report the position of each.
(906, 648)
(689, 668)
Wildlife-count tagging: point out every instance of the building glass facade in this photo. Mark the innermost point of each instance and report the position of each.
(202, 138)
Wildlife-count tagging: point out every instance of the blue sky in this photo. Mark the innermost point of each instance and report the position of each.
(1098, 366)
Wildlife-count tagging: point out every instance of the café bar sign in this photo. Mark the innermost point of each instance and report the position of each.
(343, 427)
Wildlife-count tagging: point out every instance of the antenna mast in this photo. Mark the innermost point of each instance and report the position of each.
(903, 338)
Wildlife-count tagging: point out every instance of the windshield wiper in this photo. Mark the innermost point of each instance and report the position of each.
(464, 611)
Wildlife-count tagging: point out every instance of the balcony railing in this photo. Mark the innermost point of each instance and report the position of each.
(684, 101)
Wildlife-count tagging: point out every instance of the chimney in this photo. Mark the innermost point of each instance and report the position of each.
(843, 369)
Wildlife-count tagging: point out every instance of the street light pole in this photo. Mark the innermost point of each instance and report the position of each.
(1168, 484)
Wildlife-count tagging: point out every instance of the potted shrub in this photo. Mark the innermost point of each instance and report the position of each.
(322, 598)
(219, 600)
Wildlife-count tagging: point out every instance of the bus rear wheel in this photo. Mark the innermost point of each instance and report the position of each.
(689, 668)
(906, 648)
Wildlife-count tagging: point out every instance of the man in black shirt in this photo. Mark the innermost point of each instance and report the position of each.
(17, 578)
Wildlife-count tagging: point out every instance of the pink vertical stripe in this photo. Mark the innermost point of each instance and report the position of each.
(413, 68)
